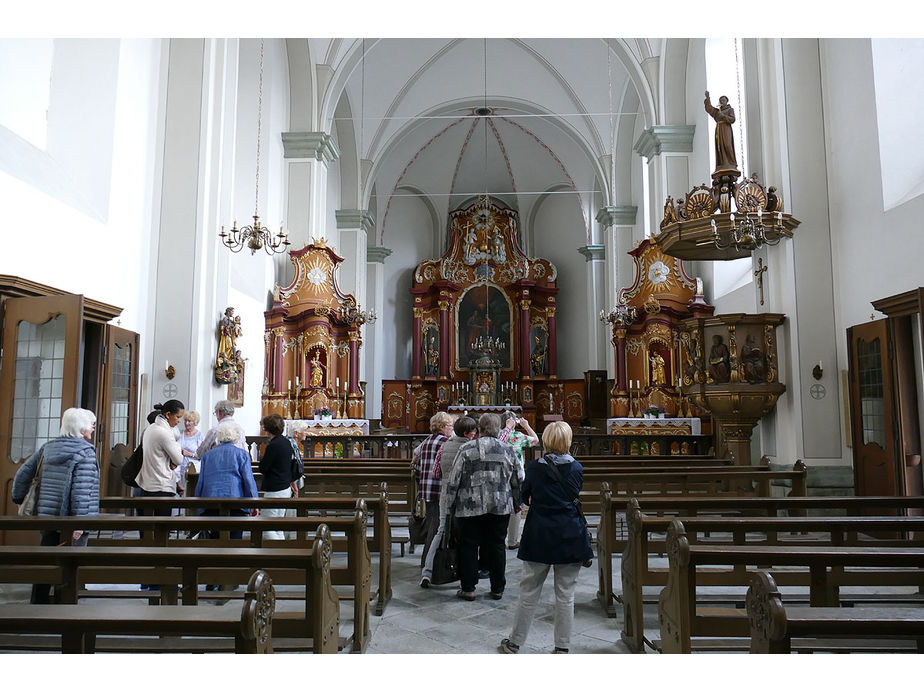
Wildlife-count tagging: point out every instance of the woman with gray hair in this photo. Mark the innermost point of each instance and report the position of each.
(227, 473)
(68, 477)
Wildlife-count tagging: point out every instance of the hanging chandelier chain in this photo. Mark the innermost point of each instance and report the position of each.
(740, 104)
(609, 79)
(256, 205)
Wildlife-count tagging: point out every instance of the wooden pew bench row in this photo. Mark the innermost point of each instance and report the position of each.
(78, 626)
(67, 566)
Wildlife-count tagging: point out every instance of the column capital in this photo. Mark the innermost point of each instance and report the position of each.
(592, 252)
(377, 253)
(309, 145)
(355, 219)
(620, 215)
(665, 138)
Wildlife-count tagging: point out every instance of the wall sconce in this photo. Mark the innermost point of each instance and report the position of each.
(169, 371)
(818, 371)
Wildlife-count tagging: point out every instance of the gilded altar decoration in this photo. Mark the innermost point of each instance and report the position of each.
(313, 339)
(228, 361)
(648, 343)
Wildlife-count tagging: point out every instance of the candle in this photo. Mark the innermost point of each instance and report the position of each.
(338, 382)
(296, 382)
(290, 385)
(167, 364)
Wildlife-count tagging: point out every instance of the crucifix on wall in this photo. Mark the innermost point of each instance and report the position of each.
(759, 273)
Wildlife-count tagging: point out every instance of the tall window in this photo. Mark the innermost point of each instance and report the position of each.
(725, 77)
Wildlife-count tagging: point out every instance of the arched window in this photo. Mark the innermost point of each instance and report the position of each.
(725, 77)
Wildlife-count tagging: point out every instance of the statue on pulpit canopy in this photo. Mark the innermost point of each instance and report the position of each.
(658, 376)
(317, 371)
(724, 116)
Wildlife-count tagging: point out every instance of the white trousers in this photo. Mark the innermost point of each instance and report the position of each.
(275, 512)
(532, 576)
(427, 570)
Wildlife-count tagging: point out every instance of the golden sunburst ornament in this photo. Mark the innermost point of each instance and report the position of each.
(317, 273)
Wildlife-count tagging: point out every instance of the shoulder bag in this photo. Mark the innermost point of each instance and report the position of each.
(577, 504)
(131, 467)
(29, 505)
(446, 557)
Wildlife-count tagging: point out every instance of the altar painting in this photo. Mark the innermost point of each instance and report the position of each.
(484, 311)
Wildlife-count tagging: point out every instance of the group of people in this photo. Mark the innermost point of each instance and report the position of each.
(476, 483)
(471, 476)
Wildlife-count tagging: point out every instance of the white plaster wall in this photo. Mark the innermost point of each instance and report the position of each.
(559, 233)
(410, 238)
(62, 238)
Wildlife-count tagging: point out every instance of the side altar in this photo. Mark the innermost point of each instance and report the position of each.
(484, 327)
(312, 340)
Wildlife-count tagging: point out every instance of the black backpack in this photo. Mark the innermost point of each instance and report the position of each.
(131, 467)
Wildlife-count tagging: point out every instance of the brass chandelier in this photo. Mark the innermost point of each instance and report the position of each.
(256, 236)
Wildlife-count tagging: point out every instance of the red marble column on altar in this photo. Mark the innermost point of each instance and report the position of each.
(268, 384)
(354, 362)
(524, 339)
(620, 344)
(553, 342)
(277, 359)
(444, 339)
(415, 371)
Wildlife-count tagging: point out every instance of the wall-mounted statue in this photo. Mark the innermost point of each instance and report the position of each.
(658, 377)
(431, 351)
(538, 354)
(229, 357)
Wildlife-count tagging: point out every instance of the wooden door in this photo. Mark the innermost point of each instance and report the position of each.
(118, 410)
(40, 375)
(874, 424)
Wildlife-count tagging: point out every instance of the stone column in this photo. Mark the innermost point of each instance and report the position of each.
(668, 149)
(619, 229)
(307, 155)
(375, 333)
(354, 226)
(596, 346)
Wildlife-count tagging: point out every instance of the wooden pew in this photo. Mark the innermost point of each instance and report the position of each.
(773, 626)
(67, 565)
(681, 620)
(378, 510)
(79, 625)
(160, 531)
(741, 531)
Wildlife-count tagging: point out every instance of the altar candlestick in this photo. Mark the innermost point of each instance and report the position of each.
(296, 382)
(290, 385)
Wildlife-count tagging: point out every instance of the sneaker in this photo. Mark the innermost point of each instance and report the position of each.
(425, 582)
(497, 595)
(508, 647)
(484, 573)
(467, 596)
(560, 650)
(513, 547)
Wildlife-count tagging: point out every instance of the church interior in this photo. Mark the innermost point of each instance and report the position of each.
(689, 250)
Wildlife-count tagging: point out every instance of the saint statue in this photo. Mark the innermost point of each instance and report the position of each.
(724, 116)
(718, 361)
(317, 371)
(658, 376)
(670, 212)
(537, 357)
(229, 329)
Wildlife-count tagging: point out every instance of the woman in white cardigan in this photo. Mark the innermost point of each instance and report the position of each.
(162, 453)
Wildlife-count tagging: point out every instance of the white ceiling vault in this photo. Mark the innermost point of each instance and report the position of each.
(445, 119)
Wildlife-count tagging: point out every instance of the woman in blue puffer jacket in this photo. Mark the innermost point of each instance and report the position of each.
(69, 483)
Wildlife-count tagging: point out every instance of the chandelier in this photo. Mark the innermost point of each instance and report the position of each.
(352, 315)
(256, 236)
(620, 316)
(749, 231)
(488, 346)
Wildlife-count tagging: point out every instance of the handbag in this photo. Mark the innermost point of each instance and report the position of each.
(298, 466)
(577, 504)
(131, 467)
(29, 505)
(446, 556)
(417, 524)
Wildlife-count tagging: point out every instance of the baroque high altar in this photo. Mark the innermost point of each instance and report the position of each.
(484, 327)
(312, 341)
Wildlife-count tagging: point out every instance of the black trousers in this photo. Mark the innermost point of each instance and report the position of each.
(483, 535)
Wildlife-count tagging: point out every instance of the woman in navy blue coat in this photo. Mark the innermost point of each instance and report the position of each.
(554, 537)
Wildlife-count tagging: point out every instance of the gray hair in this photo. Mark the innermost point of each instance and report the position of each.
(489, 424)
(225, 407)
(296, 427)
(75, 421)
(229, 432)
